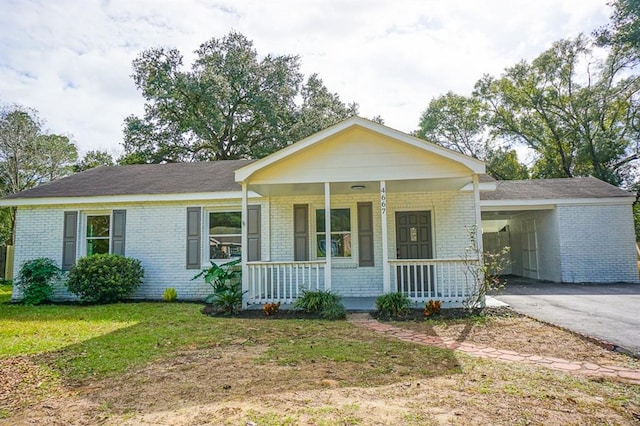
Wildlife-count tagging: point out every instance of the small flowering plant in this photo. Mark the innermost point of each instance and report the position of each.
(432, 307)
(271, 309)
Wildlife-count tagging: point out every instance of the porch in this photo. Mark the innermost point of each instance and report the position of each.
(420, 279)
(361, 210)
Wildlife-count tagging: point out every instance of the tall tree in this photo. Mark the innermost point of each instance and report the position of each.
(319, 109)
(94, 159)
(623, 31)
(576, 112)
(29, 156)
(460, 123)
(230, 104)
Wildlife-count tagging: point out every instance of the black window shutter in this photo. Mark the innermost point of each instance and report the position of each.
(69, 240)
(301, 232)
(193, 237)
(365, 234)
(253, 233)
(119, 226)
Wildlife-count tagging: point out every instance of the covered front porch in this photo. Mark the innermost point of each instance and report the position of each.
(360, 210)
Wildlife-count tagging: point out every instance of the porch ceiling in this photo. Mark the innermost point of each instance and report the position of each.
(355, 187)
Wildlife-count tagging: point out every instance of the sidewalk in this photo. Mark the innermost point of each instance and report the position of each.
(584, 368)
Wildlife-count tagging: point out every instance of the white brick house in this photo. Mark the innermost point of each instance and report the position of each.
(400, 212)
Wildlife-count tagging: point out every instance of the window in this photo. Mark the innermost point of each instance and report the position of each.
(225, 235)
(340, 233)
(98, 234)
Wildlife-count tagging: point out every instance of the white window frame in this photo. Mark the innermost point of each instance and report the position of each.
(206, 237)
(82, 232)
(352, 225)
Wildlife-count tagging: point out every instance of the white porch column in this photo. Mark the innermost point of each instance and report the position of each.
(476, 202)
(327, 234)
(245, 245)
(386, 273)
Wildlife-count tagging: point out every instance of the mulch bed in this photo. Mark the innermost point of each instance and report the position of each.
(259, 314)
(411, 315)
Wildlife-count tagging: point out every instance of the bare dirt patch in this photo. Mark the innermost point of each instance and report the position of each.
(234, 385)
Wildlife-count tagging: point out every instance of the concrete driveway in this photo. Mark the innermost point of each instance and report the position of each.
(609, 312)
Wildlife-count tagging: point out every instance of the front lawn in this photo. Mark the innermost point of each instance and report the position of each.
(161, 363)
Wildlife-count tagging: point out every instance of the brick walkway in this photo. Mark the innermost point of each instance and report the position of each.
(585, 368)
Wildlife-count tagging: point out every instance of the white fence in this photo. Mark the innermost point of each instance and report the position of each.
(283, 281)
(420, 279)
(437, 279)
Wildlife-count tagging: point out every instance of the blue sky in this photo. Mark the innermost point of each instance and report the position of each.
(71, 59)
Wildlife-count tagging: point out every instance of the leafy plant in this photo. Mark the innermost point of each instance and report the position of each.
(218, 275)
(271, 309)
(325, 303)
(333, 312)
(105, 278)
(432, 307)
(482, 270)
(227, 289)
(393, 305)
(35, 280)
(170, 295)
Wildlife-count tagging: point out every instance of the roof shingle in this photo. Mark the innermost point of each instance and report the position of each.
(172, 178)
(553, 189)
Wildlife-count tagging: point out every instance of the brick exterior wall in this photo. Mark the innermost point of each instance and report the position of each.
(597, 244)
(156, 235)
(581, 243)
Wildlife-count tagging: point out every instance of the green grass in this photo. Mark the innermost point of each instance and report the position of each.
(104, 340)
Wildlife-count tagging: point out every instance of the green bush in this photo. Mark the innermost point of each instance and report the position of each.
(226, 284)
(35, 280)
(328, 305)
(170, 295)
(393, 304)
(105, 278)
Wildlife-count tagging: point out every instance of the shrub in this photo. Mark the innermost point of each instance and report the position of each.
(393, 304)
(170, 295)
(432, 307)
(483, 272)
(271, 309)
(35, 280)
(227, 298)
(105, 278)
(333, 312)
(325, 303)
(227, 290)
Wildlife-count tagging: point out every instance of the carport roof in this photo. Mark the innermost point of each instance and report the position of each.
(553, 189)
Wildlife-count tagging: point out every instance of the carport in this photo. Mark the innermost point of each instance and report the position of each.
(562, 230)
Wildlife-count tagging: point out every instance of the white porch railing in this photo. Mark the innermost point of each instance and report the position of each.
(283, 281)
(424, 279)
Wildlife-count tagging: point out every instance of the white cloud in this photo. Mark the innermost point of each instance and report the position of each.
(71, 60)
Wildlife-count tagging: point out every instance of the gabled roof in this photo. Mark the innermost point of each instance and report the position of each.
(554, 189)
(475, 166)
(173, 178)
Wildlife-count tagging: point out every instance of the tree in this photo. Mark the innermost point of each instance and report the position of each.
(576, 112)
(231, 104)
(502, 163)
(28, 155)
(460, 123)
(623, 32)
(94, 159)
(456, 122)
(319, 109)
